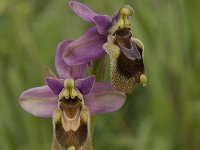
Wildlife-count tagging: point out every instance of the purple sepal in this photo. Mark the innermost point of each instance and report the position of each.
(64, 70)
(82, 11)
(88, 47)
(39, 101)
(103, 23)
(114, 18)
(104, 98)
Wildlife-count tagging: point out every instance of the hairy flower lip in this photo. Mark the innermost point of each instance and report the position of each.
(70, 132)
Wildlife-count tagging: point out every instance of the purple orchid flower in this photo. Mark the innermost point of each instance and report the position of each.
(100, 97)
(70, 100)
(111, 35)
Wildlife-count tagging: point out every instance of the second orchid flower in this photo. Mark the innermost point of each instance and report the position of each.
(111, 35)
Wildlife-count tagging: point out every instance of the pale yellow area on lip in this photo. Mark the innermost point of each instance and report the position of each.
(110, 48)
(71, 148)
(57, 115)
(143, 79)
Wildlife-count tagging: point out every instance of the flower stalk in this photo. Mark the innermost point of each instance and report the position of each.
(98, 69)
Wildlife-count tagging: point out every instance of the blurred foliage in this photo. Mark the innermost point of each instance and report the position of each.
(165, 115)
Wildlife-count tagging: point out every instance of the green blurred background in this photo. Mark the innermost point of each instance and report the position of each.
(165, 115)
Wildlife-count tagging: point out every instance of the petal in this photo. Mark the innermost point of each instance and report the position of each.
(39, 101)
(88, 47)
(64, 70)
(114, 19)
(103, 23)
(85, 85)
(104, 98)
(56, 85)
(82, 11)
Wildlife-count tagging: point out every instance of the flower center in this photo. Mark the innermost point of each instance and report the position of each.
(70, 100)
(71, 107)
(122, 19)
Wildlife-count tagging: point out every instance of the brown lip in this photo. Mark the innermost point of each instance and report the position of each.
(70, 106)
(123, 36)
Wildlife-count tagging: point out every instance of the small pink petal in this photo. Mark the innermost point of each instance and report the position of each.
(56, 85)
(85, 85)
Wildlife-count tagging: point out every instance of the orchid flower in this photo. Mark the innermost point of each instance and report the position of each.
(70, 100)
(111, 35)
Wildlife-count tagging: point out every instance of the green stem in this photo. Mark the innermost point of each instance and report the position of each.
(97, 69)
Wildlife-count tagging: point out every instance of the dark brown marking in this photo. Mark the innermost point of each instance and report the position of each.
(70, 106)
(71, 138)
(123, 36)
(128, 67)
